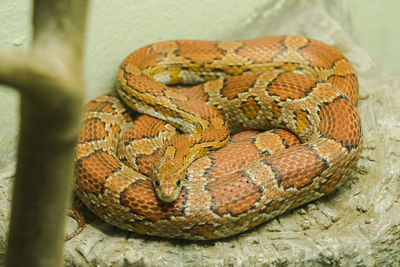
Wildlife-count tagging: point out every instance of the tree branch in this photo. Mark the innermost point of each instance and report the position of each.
(49, 78)
(14, 64)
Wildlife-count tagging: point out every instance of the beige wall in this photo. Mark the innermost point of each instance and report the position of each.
(116, 28)
(376, 25)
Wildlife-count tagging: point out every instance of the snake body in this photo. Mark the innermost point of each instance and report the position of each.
(141, 174)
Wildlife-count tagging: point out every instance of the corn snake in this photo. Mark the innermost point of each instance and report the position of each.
(283, 82)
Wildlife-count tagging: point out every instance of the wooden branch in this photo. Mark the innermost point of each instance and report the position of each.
(49, 78)
(12, 64)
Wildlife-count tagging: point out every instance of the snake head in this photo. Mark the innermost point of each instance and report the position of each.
(168, 174)
(167, 190)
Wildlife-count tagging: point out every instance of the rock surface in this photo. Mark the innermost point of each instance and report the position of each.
(356, 225)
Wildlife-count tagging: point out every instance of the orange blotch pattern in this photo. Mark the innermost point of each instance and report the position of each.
(291, 86)
(233, 195)
(233, 86)
(91, 172)
(288, 139)
(92, 129)
(143, 84)
(262, 50)
(144, 127)
(141, 199)
(340, 121)
(103, 106)
(348, 84)
(319, 54)
(199, 52)
(296, 167)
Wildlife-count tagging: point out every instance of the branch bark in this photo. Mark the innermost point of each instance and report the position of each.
(49, 78)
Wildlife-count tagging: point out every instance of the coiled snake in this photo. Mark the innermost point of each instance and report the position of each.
(302, 88)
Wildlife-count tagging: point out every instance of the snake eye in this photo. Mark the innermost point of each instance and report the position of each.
(157, 183)
(178, 182)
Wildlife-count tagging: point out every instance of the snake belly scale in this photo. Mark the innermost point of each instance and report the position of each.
(302, 89)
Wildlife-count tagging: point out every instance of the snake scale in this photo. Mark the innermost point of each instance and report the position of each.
(158, 174)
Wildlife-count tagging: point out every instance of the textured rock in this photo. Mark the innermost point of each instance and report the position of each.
(357, 225)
